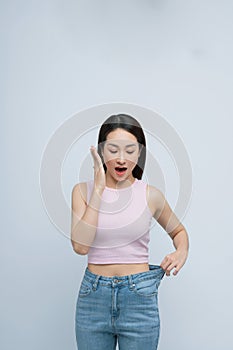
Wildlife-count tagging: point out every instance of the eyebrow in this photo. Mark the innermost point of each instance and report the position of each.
(113, 144)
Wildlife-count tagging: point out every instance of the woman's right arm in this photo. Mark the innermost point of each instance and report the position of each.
(85, 216)
(84, 219)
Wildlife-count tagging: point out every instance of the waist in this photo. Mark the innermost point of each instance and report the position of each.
(110, 270)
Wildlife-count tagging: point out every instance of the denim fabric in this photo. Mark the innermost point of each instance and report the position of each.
(118, 308)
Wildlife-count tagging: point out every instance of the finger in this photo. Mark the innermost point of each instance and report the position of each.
(175, 272)
(96, 156)
(164, 267)
(93, 153)
(165, 263)
(98, 160)
(170, 267)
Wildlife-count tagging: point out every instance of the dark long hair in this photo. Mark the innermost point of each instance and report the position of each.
(130, 124)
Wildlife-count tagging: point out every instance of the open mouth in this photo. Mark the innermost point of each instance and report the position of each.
(120, 170)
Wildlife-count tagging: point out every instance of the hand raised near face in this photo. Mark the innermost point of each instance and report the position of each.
(99, 173)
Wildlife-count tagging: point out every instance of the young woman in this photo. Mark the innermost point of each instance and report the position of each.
(111, 217)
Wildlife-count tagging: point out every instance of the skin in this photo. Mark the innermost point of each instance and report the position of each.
(156, 201)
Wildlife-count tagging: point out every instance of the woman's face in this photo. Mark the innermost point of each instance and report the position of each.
(121, 149)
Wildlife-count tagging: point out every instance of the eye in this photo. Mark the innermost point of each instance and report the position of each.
(116, 152)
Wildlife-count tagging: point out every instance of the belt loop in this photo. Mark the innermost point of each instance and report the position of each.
(131, 284)
(94, 286)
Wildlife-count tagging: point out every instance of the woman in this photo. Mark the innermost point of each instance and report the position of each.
(111, 217)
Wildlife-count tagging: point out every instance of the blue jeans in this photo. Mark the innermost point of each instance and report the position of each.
(118, 308)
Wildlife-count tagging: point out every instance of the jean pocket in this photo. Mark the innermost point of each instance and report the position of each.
(85, 288)
(147, 287)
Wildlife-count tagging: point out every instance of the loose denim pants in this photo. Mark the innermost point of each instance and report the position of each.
(118, 308)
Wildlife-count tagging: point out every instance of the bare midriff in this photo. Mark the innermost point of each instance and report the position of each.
(110, 270)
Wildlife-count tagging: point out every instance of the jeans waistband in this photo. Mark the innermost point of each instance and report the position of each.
(155, 271)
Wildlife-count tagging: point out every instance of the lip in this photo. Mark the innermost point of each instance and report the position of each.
(120, 173)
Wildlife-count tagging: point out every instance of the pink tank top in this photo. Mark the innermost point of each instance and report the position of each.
(123, 229)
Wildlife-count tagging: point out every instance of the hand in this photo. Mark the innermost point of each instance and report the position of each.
(174, 260)
(99, 175)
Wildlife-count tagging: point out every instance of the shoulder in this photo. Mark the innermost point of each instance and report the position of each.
(154, 192)
(155, 197)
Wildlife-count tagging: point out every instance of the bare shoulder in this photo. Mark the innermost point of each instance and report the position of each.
(155, 198)
(154, 192)
(80, 189)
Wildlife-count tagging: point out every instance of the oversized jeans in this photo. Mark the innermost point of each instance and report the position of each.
(118, 308)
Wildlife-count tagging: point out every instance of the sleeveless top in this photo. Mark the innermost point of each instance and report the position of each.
(123, 229)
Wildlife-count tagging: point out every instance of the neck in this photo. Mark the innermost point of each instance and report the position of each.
(114, 183)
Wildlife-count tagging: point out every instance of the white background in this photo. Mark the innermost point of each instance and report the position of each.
(60, 57)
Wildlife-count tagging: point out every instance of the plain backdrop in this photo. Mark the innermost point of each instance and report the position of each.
(61, 57)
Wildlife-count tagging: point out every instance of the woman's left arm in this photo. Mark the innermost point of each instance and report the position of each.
(176, 230)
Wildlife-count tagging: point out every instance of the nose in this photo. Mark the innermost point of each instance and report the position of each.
(121, 162)
(121, 159)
